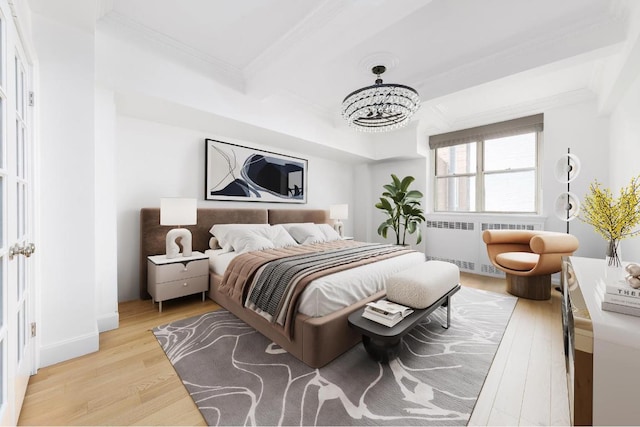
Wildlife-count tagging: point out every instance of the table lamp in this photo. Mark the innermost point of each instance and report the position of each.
(178, 211)
(338, 213)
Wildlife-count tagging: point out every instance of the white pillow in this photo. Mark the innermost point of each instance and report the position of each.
(247, 240)
(329, 232)
(306, 234)
(288, 226)
(279, 236)
(220, 232)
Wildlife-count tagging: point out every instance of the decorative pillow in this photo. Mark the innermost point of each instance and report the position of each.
(248, 240)
(279, 236)
(220, 231)
(306, 234)
(329, 232)
(214, 244)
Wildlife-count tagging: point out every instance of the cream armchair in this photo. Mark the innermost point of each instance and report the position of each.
(528, 258)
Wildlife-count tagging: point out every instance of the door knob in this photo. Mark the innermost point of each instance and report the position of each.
(26, 250)
(14, 250)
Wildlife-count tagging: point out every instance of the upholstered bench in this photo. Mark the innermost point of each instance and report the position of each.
(422, 285)
(424, 288)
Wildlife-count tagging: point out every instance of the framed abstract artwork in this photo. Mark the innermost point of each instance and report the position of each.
(237, 173)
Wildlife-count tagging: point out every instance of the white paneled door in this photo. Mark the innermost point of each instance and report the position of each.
(17, 309)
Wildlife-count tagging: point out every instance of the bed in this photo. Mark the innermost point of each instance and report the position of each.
(319, 332)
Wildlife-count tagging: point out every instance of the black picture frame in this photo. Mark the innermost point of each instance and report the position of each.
(244, 174)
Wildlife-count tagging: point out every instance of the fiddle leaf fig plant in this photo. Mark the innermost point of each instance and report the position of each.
(402, 206)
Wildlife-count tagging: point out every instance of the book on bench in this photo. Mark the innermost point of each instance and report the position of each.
(386, 312)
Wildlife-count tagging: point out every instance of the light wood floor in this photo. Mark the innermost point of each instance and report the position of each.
(130, 380)
(526, 384)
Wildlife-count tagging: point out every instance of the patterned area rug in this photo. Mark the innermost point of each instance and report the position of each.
(238, 377)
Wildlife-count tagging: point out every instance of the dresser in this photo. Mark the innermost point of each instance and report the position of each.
(177, 277)
(602, 349)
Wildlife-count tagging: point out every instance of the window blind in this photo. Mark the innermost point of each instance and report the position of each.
(496, 130)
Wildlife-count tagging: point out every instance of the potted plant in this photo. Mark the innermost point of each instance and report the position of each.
(402, 207)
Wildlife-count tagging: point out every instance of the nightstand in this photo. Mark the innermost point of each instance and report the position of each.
(177, 277)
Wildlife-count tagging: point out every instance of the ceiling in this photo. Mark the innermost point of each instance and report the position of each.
(470, 60)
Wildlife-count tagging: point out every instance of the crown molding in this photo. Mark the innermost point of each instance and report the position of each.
(433, 118)
(104, 7)
(595, 79)
(127, 28)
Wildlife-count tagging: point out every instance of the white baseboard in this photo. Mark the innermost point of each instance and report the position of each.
(108, 322)
(69, 349)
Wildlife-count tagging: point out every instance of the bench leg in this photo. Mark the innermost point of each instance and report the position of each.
(448, 304)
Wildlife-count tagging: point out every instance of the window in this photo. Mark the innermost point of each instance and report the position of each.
(492, 168)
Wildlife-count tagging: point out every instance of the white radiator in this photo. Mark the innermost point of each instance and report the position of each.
(458, 238)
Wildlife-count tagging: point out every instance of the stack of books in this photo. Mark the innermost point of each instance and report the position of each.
(386, 312)
(620, 297)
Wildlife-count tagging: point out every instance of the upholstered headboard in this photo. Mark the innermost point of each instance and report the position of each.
(152, 234)
(284, 216)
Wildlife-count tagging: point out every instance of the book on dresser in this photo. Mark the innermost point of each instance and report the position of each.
(619, 308)
(386, 312)
(619, 296)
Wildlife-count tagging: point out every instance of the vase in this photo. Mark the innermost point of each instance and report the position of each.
(613, 264)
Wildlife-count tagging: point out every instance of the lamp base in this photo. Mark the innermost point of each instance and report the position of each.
(173, 250)
(338, 226)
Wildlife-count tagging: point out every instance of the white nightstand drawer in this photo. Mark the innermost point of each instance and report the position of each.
(180, 288)
(177, 271)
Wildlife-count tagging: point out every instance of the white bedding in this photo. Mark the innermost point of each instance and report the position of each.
(330, 293)
(219, 260)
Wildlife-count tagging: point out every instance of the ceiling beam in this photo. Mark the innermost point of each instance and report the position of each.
(336, 23)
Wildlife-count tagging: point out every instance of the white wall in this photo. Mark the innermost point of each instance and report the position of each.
(624, 159)
(67, 188)
(156, 160)
(106, 250)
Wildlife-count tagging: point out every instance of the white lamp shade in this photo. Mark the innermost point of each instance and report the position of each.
(339, 211)
(178, 211)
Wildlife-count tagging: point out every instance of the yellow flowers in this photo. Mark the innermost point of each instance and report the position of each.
(613, 219)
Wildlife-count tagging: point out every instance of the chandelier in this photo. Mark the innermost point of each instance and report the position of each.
(381, 107)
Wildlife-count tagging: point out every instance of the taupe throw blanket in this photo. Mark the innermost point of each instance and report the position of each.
(242, 270)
